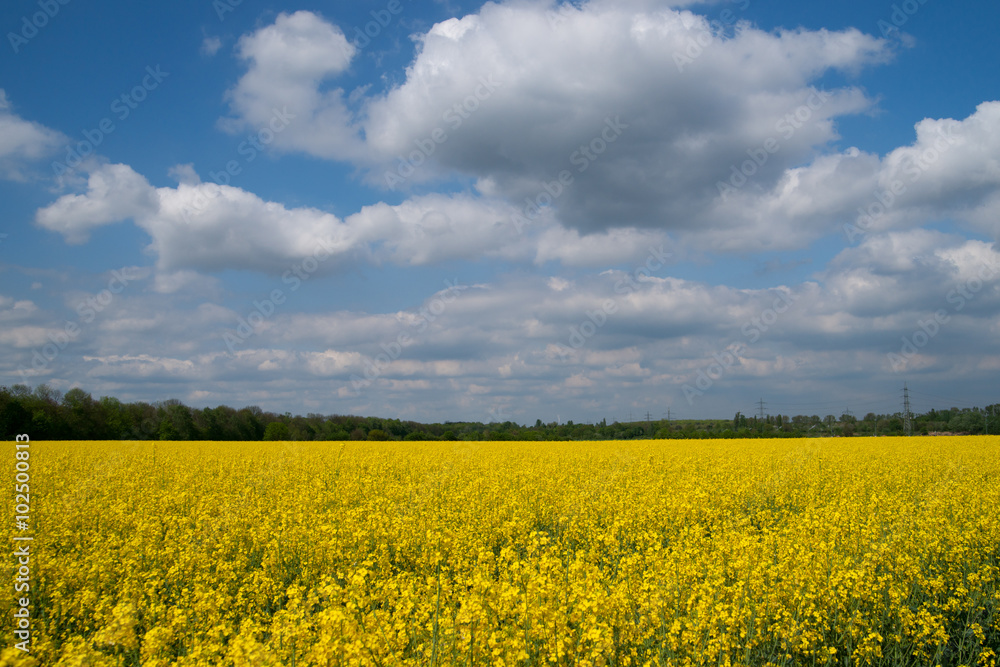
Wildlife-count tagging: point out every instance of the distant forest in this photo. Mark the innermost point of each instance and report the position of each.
(45, 414)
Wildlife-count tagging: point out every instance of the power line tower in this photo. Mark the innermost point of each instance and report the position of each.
(760, 414)
(907, 422)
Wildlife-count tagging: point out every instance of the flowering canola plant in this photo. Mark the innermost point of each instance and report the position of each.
(851, 551)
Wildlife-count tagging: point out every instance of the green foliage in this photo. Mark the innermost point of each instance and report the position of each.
(276, 431)
(45, 414)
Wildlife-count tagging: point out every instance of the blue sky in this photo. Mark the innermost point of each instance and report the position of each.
(272, 210)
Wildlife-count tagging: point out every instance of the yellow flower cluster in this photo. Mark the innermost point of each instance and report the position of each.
(716, 552)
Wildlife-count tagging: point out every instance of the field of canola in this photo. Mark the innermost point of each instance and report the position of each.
(747, 552)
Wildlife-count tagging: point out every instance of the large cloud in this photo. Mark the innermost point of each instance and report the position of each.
(950, 171)
(288, 64)
(621, 97)
(22, 142)
(208, 227)
(198, 225)
(657, 118)
(114, 192)
(719, 145)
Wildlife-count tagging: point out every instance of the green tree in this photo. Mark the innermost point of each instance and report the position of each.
(167, 431)
(14, 418)
(276, 431)
(181, 422)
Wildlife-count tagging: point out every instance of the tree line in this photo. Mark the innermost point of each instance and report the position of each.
(46, 414)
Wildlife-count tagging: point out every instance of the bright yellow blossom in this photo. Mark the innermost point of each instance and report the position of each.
(740, 552)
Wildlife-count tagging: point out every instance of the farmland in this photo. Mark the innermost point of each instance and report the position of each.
(881, 551)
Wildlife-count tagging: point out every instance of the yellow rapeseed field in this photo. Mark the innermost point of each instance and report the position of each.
(852, 551)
